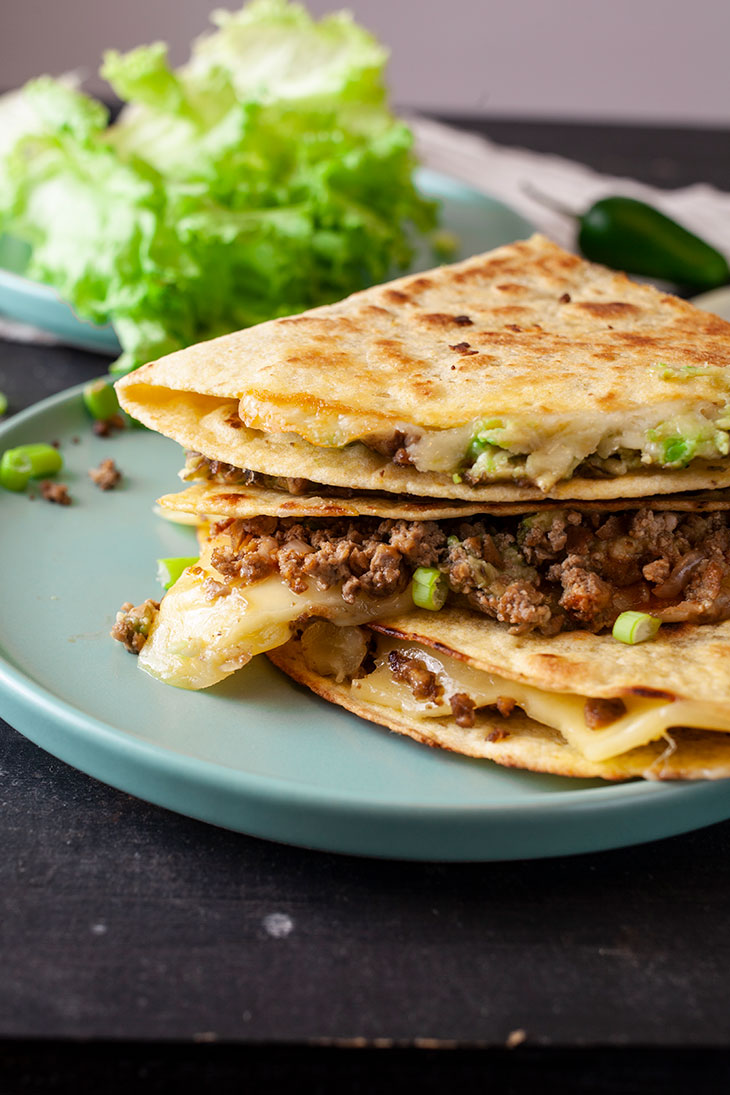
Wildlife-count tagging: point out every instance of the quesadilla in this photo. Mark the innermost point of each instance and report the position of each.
(512, 376)
(419, 524)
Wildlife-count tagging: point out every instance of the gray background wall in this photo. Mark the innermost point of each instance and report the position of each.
(647, 60)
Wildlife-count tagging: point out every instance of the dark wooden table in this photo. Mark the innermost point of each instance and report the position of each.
(135, 952)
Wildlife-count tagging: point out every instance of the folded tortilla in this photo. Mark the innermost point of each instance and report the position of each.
(661, 734)
(517, 375)
(220, 502)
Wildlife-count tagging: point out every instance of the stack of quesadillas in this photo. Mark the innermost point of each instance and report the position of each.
(435, 502)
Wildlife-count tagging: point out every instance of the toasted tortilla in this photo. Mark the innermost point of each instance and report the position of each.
(521, 742)
(218, 501)
(684, 664)
(527, 331)
(683, 661)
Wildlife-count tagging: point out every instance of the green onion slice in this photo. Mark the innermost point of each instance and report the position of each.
(169, 570)
(429, 588)
(14, 470)
(28, 462)
(100, 399)
(635, 627)
(3, 403)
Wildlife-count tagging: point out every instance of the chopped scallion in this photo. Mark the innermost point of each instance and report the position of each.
(14, 470)
(3, 403)
(429, 588)
(169, 570)
(100, 399)
(679, 450)
(28, 462)
(635, 627)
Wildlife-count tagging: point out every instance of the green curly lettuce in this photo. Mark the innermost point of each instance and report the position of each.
(265, 176)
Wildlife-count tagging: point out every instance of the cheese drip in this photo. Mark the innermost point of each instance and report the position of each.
(198, 640)
(645, 720)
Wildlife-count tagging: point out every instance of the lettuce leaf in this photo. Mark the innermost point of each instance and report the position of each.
(264, 176)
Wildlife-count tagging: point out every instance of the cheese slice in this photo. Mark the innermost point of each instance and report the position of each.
(199, 639)
(646, 720)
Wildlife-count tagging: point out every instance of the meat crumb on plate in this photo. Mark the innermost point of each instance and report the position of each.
(55, 492)
(107, 475)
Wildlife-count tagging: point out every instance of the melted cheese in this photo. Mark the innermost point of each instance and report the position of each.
(196, 641)
(544, 449)
(645, 720)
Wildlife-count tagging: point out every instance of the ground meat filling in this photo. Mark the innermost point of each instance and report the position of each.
(106, 476)
(364, 557)
(426, 687)
(199, 467)
(413, 672)
(552, 571)
(133, 623)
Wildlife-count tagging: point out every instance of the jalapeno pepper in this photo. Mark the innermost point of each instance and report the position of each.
(630, 235)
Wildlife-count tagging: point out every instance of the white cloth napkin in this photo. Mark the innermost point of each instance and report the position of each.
(507, 173)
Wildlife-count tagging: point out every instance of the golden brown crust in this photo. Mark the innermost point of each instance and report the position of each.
(683, 660)
(527, 330)
(399, 352)
(252, 501)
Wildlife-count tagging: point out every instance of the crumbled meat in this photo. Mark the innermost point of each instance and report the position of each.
(55, 492)
(523, 607)
(499, 734)
(586, 596)
(133, 622)
(104, 427)
(213, 589)
(656, 572)
(366, 556)
(602, 712)
(552, 571)
(198, 467)
(505, 705)
(413, 672)
(107, 475)
(393, 445)
(419, 541)
(462, 708)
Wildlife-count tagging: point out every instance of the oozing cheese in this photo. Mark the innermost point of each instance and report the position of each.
(645, 720)
(543, 449)
(196, 641)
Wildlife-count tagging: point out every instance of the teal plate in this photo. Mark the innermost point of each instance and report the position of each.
(478, 221)
(256, 753)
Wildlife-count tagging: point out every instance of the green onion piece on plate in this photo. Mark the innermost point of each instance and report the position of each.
(14, 470)
(169, 570)
(3, 403)
(28, 462)
(635, 627)
(100, 399)
(429, 588)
